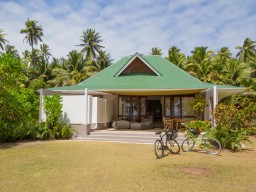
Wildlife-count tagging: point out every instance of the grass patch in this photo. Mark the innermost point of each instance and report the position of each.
(99, 166)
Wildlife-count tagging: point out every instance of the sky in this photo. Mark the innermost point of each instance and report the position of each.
(130, 26)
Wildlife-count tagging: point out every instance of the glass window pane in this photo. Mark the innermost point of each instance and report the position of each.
(176, 107)
(143, 104)
(167, 106)
(120, 106)
(124, 106)
(187, 109)
(134, 106)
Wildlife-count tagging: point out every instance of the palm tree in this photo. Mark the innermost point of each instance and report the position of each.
(91, 44)
(9, 49)
(34, 58)
(175, 57)
(34, 33)
(156, 51)
(234, 71)
(71, 72)
(224, 54)
(247, 50)
(218, 63)
(199, 64)
(45, 51)
(3, 41)
(103, 61)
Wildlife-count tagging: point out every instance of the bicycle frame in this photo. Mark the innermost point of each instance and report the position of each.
(211, 145)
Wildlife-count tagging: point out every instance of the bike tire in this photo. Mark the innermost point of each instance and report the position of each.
(212, 146)
(187, 145)
(173, 146)
(159, 148)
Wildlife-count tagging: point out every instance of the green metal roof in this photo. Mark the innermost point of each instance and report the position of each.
(169, 76)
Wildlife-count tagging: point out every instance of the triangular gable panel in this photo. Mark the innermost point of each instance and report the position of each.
(137, 64)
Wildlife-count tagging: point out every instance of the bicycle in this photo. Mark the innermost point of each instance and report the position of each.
(166, 143)
(210, 145)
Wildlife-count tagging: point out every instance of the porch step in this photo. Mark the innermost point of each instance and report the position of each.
(140, 137)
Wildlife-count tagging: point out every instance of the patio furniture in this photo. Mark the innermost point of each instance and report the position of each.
(121, 124)
(143, 125)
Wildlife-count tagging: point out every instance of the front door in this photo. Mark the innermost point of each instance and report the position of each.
(154, 109)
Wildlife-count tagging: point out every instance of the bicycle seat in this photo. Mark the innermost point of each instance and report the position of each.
(159, 132)
(202, 133)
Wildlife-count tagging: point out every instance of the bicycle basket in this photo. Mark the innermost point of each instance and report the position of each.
(195, 132)
(172, 134)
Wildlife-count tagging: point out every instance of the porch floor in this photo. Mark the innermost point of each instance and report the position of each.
(126, 136)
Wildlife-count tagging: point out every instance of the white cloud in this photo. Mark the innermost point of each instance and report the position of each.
(133, 26)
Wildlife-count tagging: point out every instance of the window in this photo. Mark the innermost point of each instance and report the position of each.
(167, 106)
(187, 109)
(179, 106)
(132, 107)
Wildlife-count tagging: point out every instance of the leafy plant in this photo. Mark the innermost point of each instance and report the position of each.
(200, 125)
(198, 106)
(53, 109)
(54, 126)
(234, 124)
(66, 132)
(229, 138)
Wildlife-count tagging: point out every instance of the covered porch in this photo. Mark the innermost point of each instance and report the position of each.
(89, 109)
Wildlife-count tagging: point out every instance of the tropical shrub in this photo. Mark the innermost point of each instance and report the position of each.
(18, 105)
(229, 138)
(54, 127)
(198, 106)
(233, 124)
(200, 125)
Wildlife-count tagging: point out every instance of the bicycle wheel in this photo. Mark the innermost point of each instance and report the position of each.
(212, 146)
(158, 148)
(173, 146)
(187, 144)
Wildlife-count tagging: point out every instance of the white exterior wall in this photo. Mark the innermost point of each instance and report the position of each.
(102, 110)
(109, 111)
(74, 107)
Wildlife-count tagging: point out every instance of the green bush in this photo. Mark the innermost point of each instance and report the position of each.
(200, 125)
(229, 138)
(66, 132)
(54, 128)
(234, 124)
(19, 106)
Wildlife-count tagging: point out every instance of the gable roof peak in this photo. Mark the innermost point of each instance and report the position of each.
(140, 57)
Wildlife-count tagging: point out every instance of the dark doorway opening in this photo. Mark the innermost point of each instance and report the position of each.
(154, 108)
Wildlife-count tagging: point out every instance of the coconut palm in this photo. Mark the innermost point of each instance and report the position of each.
(199, 64)
(45, 51)
(102, 62)
(224, 54)
(91, 44)
(34, 58)
(9, 49)
(156, 51)
(234, 71)
(218, 62)
(71, 72)
(175, 57)
(3, 41)
(247, 50)
(34, 32)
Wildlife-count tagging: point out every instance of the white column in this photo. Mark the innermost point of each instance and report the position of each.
(86, 106)
(215, 100)
(89, 110)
